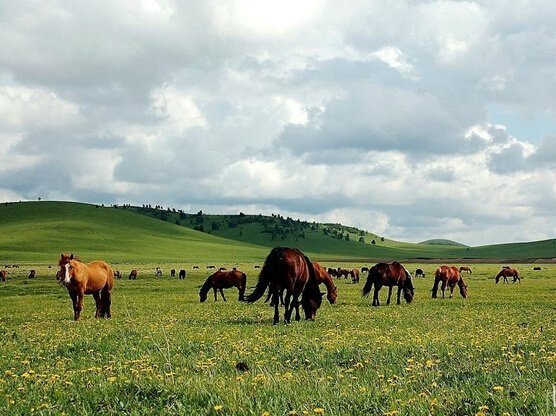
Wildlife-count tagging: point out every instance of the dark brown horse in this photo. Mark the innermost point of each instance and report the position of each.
(508, 272)
(133, 274)
(3, 275)
(449, 276)
(95, 278)
(182, 274)
(332, 272)
(419, 273)
(224, 280)
(343, 272)
(289, 270)
(32, 274)
(323, 277)
(389, 274)
(465, 269)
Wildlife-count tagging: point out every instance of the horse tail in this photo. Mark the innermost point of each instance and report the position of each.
(243, 286)
(271, 264)
(436, 281)
(370, 280)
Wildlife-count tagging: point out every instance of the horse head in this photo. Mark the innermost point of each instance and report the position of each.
(311, 301)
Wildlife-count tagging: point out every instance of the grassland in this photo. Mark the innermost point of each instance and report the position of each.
(165, 353)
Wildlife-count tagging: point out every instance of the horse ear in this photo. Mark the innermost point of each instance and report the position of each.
(62, 255)
(71, 256)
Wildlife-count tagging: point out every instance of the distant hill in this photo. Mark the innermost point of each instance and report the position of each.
(443, 242)
(40, 231)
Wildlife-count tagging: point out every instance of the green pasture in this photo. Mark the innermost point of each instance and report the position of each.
(165, 353)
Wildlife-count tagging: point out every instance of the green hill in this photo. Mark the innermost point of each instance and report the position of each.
(442, 242)
(39, 231)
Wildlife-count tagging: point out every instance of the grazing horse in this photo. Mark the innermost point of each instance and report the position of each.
(118, 274)
(158, 272)
(323, 277)
(537, 268)
(389, 274)
(32, 274)
(223, 280)
(173, 273)
(465, 269)
(419, 273)
(133, 274)
(449, 276)
(343, 272)
(3, 274)
(182, 274)
(508, 272)
(364, 269)
(354, 275)
(289, 270)
(332, 272)
(95, 278)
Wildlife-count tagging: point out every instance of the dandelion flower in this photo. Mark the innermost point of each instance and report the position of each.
(498, 388)
(319, 410)
(218, 407)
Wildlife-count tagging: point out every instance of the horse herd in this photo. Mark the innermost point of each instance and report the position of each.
(289, 276)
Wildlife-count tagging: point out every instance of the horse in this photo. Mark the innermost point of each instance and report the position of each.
(289, 270)
(95, 278)
(117, 274)
(364, 269)
(508, 272)
(323, 277)
(195, 267)
(3, 275)
(182, 274)
(332, 272)
(465, 269)
(389, 274)
(32, 274)
(419, 273)
(223, 280)
(449, 276)
(158, 272)
(133, 274)
(354, 275)
(173, 273)
(537, 268)
(343, 272)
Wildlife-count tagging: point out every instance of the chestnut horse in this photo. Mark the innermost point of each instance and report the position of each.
(449, 276)
(389, 274)
(465, 269)
(323, 277)
(95, 278)
(288, 269)
(224, 280)
(508, 272)
(133, 274)
(354, 275)
(3, 274)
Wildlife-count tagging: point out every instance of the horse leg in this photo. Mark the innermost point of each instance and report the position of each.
(399, 293)
(288, 308)
(222, 293)
(375, 295)
(77, 306)
(275, 297)
(451, 291)
(443, 288)
(107, 302)
(214, 288)
(295, 304)
(99, 312)
(389, 295)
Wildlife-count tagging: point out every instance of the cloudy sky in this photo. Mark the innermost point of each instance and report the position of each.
(411, 119)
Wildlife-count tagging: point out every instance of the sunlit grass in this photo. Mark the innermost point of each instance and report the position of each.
(163, 352)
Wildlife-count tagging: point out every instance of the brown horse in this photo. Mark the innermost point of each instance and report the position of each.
(289, 270)
(465, 269)
(332, 272)
(323, 277)
(3, 275)
(95, 278)
(133, 274)
(389, 274)
(343, 272)
(182, 274)
(449, 276)
(354, 275)
(508, 272)
(32, 274)
(224, 280)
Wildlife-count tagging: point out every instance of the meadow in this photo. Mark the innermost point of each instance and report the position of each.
(165, 353)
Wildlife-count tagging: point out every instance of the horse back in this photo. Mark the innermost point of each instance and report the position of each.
(99, 275)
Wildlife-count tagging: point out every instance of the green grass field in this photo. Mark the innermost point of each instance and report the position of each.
(165, 353)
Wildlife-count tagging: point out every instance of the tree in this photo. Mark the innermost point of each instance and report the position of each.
(361, 240)
(373, 242)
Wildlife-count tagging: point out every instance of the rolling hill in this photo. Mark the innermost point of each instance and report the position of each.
(39, 231)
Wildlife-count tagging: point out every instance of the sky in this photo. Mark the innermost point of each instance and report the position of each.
(410, 119)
